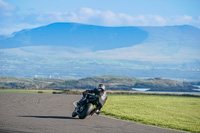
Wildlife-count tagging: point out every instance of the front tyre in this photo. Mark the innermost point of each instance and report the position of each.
(87, 111)
(74, 114)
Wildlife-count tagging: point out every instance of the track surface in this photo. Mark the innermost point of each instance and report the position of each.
(33, 113)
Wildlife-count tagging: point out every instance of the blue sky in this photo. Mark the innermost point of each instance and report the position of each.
(16, 15)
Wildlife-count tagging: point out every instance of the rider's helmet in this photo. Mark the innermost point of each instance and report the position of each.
(102, 86)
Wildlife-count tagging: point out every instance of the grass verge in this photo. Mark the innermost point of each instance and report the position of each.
(174, 112)
(30, 91)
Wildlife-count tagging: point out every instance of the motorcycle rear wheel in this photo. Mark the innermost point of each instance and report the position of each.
(86, 111)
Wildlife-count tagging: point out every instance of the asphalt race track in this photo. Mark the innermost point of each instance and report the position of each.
(33, 113)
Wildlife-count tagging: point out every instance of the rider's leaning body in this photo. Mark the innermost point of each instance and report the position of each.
(101, 95)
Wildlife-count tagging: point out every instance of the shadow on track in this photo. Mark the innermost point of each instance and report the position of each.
(12, 131)
(51, 117)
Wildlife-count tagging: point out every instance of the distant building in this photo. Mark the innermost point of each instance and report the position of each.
(35, 76)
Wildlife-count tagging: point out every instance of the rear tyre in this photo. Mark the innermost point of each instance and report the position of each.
(86, 112)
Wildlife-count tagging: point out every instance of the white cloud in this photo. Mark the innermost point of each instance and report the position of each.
(89, 12)
(5, 5)
(11, 19)
(110, 18)
(184, 20)
(5, 8)
(186, 17)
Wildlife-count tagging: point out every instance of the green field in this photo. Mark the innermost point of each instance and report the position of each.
(175, 112)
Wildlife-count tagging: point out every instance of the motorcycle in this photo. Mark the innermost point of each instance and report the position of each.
(85, 107)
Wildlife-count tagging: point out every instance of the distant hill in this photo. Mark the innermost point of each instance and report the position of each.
(72, 50)
(77, 36)
(111, 82)
(99, 37)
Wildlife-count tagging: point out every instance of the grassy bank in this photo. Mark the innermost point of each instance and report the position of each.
(175, 112)
(29, 91)
(109, 92)
(111, 82)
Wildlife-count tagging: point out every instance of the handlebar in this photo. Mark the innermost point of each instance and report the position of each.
(92, 97)
(89, 95)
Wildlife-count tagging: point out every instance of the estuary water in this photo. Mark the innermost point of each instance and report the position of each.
(147, 90)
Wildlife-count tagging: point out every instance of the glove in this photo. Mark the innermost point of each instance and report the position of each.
(84, 93)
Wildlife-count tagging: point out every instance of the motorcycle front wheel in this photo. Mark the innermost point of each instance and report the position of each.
(74, 114)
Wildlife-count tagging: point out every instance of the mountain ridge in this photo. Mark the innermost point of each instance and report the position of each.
(83, 35)
(168, 52)
(76, 35)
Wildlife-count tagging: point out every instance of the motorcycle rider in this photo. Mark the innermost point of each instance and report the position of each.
(101, 95)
